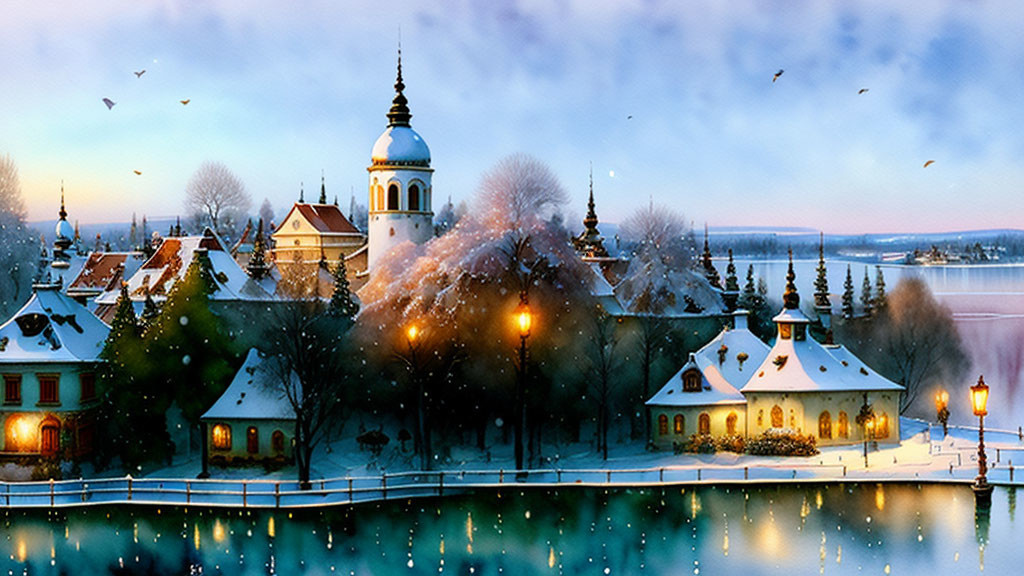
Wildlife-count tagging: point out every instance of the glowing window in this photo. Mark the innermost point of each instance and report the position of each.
(678, 424)
(222, 437)
(662, 425)
(777, 416)
(18, 434)
(704, 423)
(730, 424)
(252, 440)
(825, 426)
(843, 425)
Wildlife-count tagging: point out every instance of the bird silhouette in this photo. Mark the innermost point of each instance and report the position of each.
(929, 163)
(862, 90)
(137, 172)
(185, 102)
(630, 117)
(139, 73)
(777, 74)
(110, 103)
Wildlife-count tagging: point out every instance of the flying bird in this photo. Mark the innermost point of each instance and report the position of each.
(137, 172)
(630, 117)
(110, 103)
(862, 90)
(185, 102)
(777, 74)
(929, 163)
(139, 73)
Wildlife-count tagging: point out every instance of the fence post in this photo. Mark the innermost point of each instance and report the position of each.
(844, 470)
(129, 486)
(245, 494)
(608, 478)
(277, 494)
(349, 490)
(440, 485)
(501, 476)
(51, 492)
(384, 486)
(8, 495)
(661, 475)
(698, 474)
(746, 473)
(188, 492)
(559, 476)
(85, 490)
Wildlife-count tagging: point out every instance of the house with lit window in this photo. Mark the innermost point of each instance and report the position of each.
(315, 232)
(252, 421)
(49, 357)
(737, 385)
(703, 397)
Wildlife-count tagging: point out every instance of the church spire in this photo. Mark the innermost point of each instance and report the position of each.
(591, 220)
(790, 299)
(301, 193)
(63, 213)
(323, 188)
(399, 114)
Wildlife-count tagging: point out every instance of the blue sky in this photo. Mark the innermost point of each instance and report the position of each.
(282, 90)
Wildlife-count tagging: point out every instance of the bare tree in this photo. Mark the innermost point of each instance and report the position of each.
(519, 192)
(603, 362)
(267, 212)
(216, 197)
(16, 246)
(311, 362)
(913, 341)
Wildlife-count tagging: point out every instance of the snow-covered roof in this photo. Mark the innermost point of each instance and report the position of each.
(714, 389)
(254, 394)
(52, 327)
(720, 358)
(103, 271)
(806, 366)
(683, 292)
(791, 316)
(171, 260)
(324, 218)
(400, 145)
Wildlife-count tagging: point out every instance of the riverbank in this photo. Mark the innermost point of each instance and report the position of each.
(922, 456)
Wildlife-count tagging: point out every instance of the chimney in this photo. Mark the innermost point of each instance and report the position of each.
(739, 319)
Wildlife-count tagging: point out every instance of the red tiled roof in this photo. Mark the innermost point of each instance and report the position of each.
(325, 218)
(99, 271)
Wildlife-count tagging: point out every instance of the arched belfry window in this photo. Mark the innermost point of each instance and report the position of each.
(393, 196)
(414, 198)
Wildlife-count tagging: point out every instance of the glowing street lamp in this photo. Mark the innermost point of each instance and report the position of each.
(422, 440)
(942, 410)
(979, 403)
(523, 319)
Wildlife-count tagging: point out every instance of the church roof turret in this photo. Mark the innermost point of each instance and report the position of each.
(399, 114)
(790, 298)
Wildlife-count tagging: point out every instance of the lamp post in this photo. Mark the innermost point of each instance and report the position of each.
(412, 334)
(870, 426)
(942, 410)
(523, 319)
(979, 401)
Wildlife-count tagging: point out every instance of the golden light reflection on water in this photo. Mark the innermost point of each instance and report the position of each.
(880, 497)
(551, 557)
(195, 536)
(818, 500)
(270, 527)
(22, 550)
(469, 533)
(695, 505)
(218, 531)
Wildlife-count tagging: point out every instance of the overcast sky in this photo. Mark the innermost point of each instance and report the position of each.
(670, 101)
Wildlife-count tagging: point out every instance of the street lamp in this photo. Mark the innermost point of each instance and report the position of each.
(523, 319)
(422, 441)
(869, 436)
(979, 401)
(942, 410)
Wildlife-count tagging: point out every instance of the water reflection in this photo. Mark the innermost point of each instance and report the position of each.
(828, 529)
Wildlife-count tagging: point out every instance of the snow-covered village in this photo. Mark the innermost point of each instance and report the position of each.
(615, 289)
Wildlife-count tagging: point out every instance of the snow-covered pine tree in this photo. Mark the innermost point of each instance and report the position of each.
(848, 294)
(749, 290)
(124, 321)
(257, 266)
(880, 301)
(732, 285)
(821, 281)
(342, 304)
(709, 269)
(865, 294)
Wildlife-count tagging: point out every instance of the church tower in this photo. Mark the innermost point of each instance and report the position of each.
(400, 191)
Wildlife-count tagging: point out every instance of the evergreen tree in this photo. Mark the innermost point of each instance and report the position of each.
(749, 290)
(257, 267)
(343, 303)
(709, 269)
(880, 300)
(150, 311)
(865, 293)
(732, 285)
(848, 294)
(124, 321)
(821, 281)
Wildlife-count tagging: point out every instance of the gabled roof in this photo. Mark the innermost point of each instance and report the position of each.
(103, 271)
(325, 218)
(714, 390)
(254, 393)
(171, 260)
(807, 366)
(720, 358)
(52, 327)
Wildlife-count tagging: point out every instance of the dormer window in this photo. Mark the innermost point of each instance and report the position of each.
(32, 324)
(785, 331)
(691, 380)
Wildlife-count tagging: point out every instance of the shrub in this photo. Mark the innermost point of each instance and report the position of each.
(781, 442)
(701, 444)
(735, 443)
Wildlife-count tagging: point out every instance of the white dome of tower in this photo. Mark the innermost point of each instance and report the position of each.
(402, 146)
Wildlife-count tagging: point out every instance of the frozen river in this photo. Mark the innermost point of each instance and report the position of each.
(808, 529)
(987, 303)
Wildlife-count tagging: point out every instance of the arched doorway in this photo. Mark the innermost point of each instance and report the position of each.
(730, 424)
(843, 425)
(777, 416)
(252, 440)
(825, 426)
(704, 423)
(49, 437)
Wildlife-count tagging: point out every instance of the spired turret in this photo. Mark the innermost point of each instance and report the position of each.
(399, 188)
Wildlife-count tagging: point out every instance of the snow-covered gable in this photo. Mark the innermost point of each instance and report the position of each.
(103, 272)
(733, 355)
(253, 394)
(170, 262)
(52, 327)
(804, 365)
(713, 389)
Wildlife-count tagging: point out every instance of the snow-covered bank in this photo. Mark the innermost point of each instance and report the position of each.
(348, 477)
